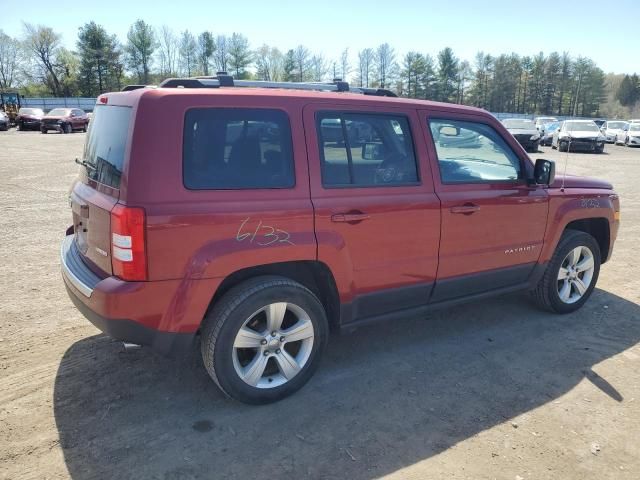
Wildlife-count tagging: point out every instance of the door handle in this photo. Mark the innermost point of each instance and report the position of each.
(349, 217)
(466, 209)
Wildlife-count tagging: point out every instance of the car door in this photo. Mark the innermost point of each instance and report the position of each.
(493, 222)
(76, 119)
(377, 218)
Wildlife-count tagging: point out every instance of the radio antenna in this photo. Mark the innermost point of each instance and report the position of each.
(566, 159)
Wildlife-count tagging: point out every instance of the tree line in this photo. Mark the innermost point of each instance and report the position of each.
(38, 64)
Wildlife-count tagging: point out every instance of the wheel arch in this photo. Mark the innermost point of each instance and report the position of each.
(598, 228)
(314, 275)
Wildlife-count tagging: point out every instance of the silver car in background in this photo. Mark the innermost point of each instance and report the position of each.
(578, 135)
(542, 121)
(631, 137)
(612, 129)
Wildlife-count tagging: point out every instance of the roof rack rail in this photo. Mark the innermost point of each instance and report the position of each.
(224, 80)
(128, 88)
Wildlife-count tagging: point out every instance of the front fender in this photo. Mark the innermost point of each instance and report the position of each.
(578, 204)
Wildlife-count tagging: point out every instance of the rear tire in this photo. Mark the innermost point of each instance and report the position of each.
(43, 130)
(563, 147)
(552, 292)
(247, 373)
(66, 128)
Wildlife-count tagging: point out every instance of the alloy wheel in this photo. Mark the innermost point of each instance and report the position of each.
(575, 274)
(273, 345)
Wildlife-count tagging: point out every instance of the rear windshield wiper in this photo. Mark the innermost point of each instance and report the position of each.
(86, 164)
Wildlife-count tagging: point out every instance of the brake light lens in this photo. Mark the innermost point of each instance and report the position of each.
(128, 255)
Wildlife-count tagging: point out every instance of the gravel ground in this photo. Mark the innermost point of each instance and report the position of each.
(493, 390)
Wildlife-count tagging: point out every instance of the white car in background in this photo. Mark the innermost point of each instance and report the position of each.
(631, 137)
(578, 135)
(634, 120)
(542, 121)
(612, 128)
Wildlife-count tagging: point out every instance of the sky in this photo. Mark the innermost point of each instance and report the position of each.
(606, 32)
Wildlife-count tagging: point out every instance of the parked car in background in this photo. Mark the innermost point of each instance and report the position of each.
(630, 137)
(4, 121)
(542, 121)
(634, 120)
(29, 118)
(547, 136)
(578, 135)
(612, 128)
(65, 120)
(525, 132)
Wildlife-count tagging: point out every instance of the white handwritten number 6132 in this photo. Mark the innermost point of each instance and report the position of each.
(263, 235)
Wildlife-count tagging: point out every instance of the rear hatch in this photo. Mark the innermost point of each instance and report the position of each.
(97, 189)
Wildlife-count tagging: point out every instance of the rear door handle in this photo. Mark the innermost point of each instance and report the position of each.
(466, 209)
(349, 217)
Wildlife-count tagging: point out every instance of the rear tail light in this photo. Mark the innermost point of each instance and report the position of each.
(129, 258)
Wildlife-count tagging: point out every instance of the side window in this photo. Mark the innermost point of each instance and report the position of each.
(230, 149)
(470, 152)
(362, 149)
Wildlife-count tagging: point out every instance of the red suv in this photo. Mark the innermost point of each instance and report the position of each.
(255, 216)
(65, 120)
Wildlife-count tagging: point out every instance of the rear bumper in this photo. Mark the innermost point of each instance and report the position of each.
(164, 315)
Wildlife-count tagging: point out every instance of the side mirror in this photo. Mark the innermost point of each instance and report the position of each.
(544, 173)
(372, 151)
(449, 131)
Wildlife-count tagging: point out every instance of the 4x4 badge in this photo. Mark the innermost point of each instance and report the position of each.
(101, 252)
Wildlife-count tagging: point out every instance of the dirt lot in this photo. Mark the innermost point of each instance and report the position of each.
(494, 390)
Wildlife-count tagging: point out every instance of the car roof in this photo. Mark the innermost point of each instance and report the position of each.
(132, 97)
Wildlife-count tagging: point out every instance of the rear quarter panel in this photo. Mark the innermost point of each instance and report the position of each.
(204, 234)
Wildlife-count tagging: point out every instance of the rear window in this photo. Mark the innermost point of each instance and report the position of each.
(106, 143)
(230, 149)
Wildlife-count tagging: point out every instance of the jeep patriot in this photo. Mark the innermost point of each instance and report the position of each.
(254, 217)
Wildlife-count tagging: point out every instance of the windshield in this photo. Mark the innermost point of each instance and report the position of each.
(544, 120)
(617, 125)
(634, 127)
(106, 143)
(518, 123)
(581, 127)
(31, 111)
(58, 112)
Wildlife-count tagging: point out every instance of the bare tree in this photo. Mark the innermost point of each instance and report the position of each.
(168, 51)
(302, 59)
(187, 53)
(269, 63)
(44, 44)
(10, 60)
(221, 54)
(365, 66)
(319, 68)
(385, 64)
(345, 68)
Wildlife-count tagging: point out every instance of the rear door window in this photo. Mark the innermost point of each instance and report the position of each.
(230, 149)
(106, 143)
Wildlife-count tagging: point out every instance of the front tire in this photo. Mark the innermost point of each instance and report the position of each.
(263, 339)
(66, 128)
(571, 275)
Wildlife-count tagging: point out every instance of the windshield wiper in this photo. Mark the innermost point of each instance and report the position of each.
(85, 164)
